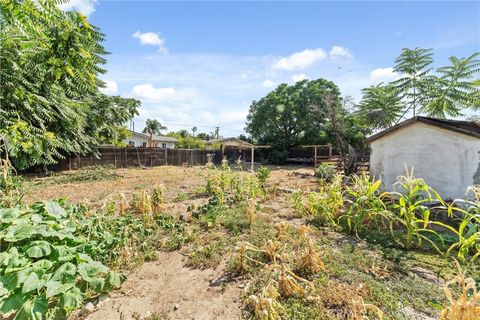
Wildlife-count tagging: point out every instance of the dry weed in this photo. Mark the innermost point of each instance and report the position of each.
(467, 305)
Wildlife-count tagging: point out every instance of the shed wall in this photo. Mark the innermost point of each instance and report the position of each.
(448, 161)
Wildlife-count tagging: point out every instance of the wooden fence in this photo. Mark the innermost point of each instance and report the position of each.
(136, 157)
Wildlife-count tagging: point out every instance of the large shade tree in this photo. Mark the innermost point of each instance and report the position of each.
(50, 103)
(308, 112)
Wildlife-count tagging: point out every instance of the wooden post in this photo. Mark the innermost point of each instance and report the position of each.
(69, 163)
(115, 161)
(79, 167)
(252, 155)
(151, 161)
(126, 161)
(329, 151)
(166, 156)
(315, 157)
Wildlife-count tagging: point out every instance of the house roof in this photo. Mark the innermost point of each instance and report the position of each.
(154, 137)
(470, 128)
(233, 142)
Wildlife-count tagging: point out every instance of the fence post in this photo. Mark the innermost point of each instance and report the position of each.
(126, 161)
(166, 156)
(115, 161)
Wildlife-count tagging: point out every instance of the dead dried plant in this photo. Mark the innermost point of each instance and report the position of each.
(270, 249)
(308, 260)
(359, 310)
(290, 284)
(266, 306)
(467, 305)
(157, 197)
(283, 230)
(251, 211)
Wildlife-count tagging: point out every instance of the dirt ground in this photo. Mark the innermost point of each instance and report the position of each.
(169, 290)
(166, 288)
(132, 180)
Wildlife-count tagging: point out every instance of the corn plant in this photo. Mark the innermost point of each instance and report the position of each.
(263, 173)
(266, 305)
(359, 310)
(412, 212)
(296, 199)
(364, 205)
(468, 230)
(467, 305)
(251, 211)
(157, 198)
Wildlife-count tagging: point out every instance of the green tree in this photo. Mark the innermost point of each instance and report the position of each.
(194, 129)
(187, 140)
(308, 112)
(154, 126)
(380, 106)
(414, 65)
(49, 84)
(454, 89)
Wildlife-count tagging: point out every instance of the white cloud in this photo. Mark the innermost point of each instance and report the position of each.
(299, 77)
(340, 52)
(111, 87)
(268, 83)
(383, 73)
(149, 92)
(152, 39)
(85, 7)
(299, 60)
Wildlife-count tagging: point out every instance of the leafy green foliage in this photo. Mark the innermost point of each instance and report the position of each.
(325, 171)
(154, 126)
(441, 92)
(308, 112)
(46, 261)
(51, 104)
(263, 173)
(187, 140)
(380, 106)
(88, 174)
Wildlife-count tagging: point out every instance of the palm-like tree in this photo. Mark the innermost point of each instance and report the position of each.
(415, 66)
(380, 106)
(153, 126)
(454, 89)
(194, 129)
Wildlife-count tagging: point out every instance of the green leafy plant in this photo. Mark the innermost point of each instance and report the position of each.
(263, 173)
(325, 171)
(45, 261)
(364, 204)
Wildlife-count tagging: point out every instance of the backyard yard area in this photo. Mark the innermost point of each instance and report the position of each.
(228, 244)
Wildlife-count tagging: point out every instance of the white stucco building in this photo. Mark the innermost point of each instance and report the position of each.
(137, 139)
(445, 153)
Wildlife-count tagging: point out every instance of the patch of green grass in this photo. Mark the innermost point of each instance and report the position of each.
(181, 196)
(208, 255)
(88, 174)
(301, 309)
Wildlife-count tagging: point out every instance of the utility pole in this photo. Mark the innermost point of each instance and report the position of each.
(217, 131)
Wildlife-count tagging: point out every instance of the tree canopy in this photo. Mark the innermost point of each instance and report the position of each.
(154, 126)
(50, 101)
(308, 112)
(422, 89)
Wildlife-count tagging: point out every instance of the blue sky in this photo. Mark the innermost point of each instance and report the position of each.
(202, 63)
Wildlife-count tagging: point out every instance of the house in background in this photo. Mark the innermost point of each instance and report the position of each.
(227, 143)
(445, 153)
(137, 139)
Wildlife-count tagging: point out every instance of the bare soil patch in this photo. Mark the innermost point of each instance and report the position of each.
(168, 289)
